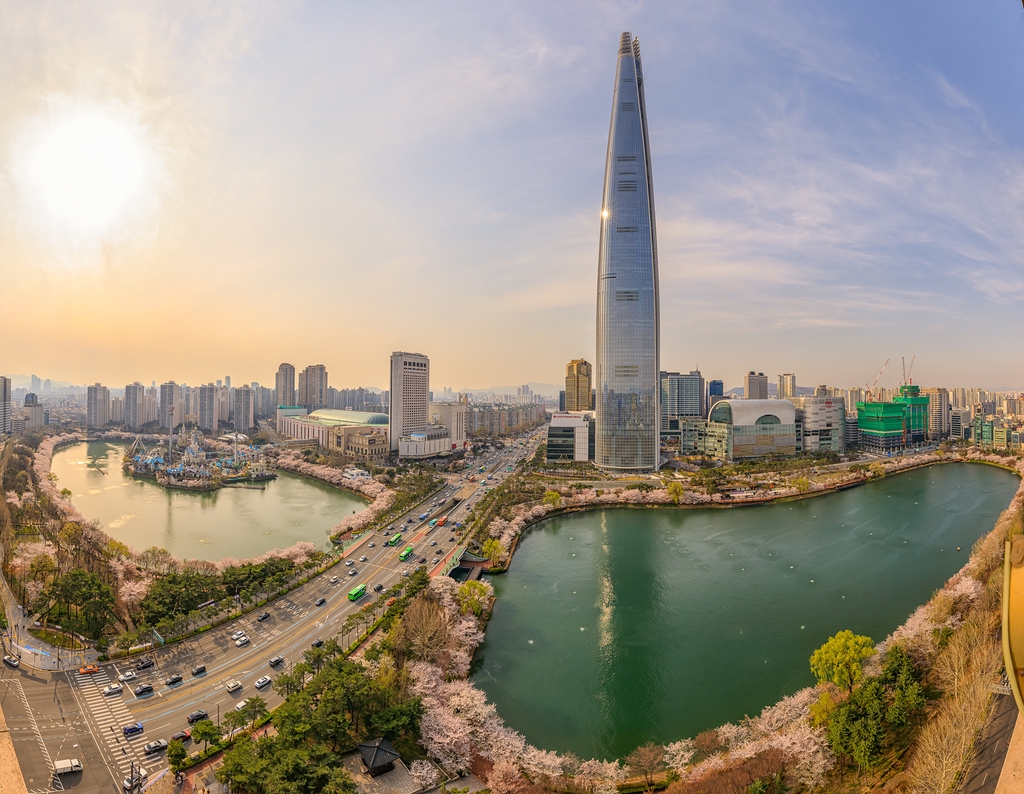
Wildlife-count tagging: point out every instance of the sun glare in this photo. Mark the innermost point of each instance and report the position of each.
(84, 171)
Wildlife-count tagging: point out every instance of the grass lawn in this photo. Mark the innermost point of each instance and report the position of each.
(56, 638)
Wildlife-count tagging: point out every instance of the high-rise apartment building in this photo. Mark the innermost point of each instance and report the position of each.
(578, 376)
(938, 412)
(6, 406)
(787, 386)
(410, 395)
(97, 406)
(284, 384)
(628, 326)
(134, 405)
(117, 410)
(755, 386)
(312, 392)
(209, 404)
(682, 395)
(36, 384)
(244, 409)
(171, 408)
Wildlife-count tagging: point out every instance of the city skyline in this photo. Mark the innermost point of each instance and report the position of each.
(838, 172)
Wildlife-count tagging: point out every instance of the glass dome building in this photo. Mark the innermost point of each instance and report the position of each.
(627, 362)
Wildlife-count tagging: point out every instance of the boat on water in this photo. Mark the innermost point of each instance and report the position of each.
(1013, 617)
(197, 469)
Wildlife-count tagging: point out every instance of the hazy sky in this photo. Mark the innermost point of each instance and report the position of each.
(836, 184)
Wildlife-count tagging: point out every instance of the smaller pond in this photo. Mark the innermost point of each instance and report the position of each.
(230, 522)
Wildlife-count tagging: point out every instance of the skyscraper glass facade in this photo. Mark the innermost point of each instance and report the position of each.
(627, 364)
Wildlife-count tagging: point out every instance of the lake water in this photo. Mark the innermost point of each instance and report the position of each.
(230, 522)
(618, 627)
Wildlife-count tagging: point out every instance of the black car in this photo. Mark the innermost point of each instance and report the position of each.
(451, 540)
(197, 715)
(422, 560)
(172, 680)
(145, 664)
(378, 588)
(263, 616)
(318, 643)
(143, 689)
(199, 669)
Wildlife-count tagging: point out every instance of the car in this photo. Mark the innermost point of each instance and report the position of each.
(317, 643)
(238, 635)
(112, 689)
(435, 561)
(89, 669)
(335, 579)
(349, 563)
(154, 746)
(233, 686)
(145, 664)
(12, 661)
(241, 704)
(320, 601)
(181, 736)
(372, 545)
(433, 543)
(262, 681)
(263, 616)
(353, 572)
(405, 573)
(196, 716)
(140, 775)
(199, 669)
(422, 560)
(276, 660)
(363, 558)
(172, 680)
(129, 675)
(143, 689)
(132, 728)
(241, 642)
(391, 528)
(378, 588)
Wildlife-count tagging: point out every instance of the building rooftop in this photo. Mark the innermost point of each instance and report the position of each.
(330, 416)
(742, 413)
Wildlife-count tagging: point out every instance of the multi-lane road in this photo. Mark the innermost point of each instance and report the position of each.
(59, 715)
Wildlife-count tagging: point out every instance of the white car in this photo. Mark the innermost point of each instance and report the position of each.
(262, 682)
(140, 774)
(233, 686)
(241, 642)
(363, 558)
(335, 580)
(124, 678)
(349, 562)
(11, 661)
(241, 704)
(238, 635)
(112, 689)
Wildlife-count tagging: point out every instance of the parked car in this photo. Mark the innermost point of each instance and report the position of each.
(145, 664)
(132, 728)
(182, 736)
(238, 635)
(276, 660)
(155, 746)
(196, 716)
(199, 669)
(143, 689)
(241, 642)
(88, 669)
(263, 616)
(320, 601)
(262, 681)
(11, 661)
(233, 686)
(172, 680)
(127, 676)
(112, 689)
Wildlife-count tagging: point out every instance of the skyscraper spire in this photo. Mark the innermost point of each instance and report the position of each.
(628, 327)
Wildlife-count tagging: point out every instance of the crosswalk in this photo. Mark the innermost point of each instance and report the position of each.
(109, 716)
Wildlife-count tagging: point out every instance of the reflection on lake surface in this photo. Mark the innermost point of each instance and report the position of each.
(230, 522)
(618, 627)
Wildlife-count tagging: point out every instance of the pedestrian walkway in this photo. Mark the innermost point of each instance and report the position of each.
(109, 716)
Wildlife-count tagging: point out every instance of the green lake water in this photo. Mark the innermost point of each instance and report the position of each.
(230, 522)
(617, 627)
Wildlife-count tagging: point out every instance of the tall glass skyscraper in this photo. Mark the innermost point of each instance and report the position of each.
(627, 365)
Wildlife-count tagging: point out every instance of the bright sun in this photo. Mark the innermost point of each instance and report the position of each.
(84, 171)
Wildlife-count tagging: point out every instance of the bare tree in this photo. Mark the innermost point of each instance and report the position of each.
(646, 761)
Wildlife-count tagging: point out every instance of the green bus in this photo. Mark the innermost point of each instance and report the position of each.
(395, 540)
(406, 553)
(433, 523)
(357, 592)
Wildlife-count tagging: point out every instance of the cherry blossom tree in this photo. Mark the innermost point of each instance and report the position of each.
(425, 774)
(505, 778)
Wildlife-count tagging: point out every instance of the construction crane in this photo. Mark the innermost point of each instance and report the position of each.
(906, 372)
(872, 386)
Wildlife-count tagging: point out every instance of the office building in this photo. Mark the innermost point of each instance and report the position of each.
(578, 377)
(740, 429)
(244, 411)
(787, 386)
(755, 386)
(682, 395)
(628, 326)
(6, 406)
(312, 391)
(134, 405)
(938, 413)
(571, 437)
(284, 385)
(209, 408)
(172, 409)
(960, 422)
(716, 392)
(452, 416)
(821, 423)
(410, 395)
(97, 406)
(36, 385)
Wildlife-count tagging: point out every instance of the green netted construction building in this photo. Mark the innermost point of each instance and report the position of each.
(892, 427)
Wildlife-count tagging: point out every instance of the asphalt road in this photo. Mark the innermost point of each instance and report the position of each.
(57, 715)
